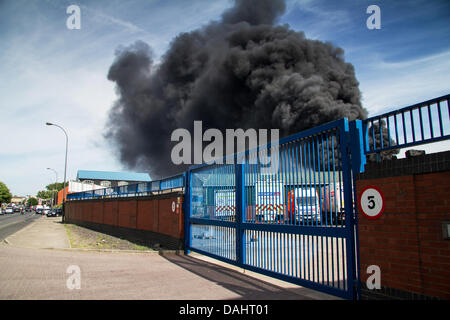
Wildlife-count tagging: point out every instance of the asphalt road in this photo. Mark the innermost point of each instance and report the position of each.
(11, 223)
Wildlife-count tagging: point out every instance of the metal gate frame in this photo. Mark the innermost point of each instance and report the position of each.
(421, 123)
(352, 159)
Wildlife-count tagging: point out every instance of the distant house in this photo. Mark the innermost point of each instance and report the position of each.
(18, 200)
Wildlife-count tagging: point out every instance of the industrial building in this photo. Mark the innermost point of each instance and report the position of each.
(111, 179)
(92, 180)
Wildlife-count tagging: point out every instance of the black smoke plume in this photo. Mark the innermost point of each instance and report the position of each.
(382, 139)
(242, 71)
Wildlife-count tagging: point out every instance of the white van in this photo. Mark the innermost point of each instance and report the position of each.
(225, 204)
(269, 201)
(306, 204)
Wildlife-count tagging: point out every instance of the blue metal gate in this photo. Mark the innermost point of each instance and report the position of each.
(289, 214)
(295, 220)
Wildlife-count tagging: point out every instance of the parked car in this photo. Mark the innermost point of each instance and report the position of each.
(58, 212)
(39, 210)
(16, 209)
(1, 211)
(9, 210)
(51, 213)
(45, 210)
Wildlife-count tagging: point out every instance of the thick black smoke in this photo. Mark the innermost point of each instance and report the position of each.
(240, 72)
(382, 139)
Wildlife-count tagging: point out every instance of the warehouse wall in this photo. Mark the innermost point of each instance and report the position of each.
(149, 219)
(407, 242)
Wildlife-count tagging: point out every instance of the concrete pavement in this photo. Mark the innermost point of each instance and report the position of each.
(44, 233)
(31, 271)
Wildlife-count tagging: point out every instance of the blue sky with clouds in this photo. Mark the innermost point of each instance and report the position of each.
(51, 73)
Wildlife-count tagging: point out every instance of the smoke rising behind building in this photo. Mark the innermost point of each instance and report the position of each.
(243, 71)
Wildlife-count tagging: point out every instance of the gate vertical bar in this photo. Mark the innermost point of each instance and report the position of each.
(240, 212)
(348, 207)
(358, 158)
(187, 212)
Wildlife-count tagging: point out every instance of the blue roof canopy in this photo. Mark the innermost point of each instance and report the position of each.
(113, 176)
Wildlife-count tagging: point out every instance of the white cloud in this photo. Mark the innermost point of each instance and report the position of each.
(390, 85)
(326, 23)
(107, 19)
(51, 75)
(75, 95)
(55, 75)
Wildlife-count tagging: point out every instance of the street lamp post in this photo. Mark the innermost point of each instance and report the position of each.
(56, 182)
(65, 164)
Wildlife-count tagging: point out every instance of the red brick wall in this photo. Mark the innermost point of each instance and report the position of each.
(108, 208)
(148, 215)
(169, 222)
(127, 214)
(87, 211)
(406, 242)
(97, 212)
(151, 214)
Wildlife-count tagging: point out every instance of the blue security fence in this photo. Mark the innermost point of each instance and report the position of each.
(284, 210)
(422, 123)
(132, 190)
(288, 210)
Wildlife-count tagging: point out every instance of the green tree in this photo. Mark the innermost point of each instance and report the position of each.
(5, 194)
(44, 194)
(55, 186)
(51, 190)
(32, 201)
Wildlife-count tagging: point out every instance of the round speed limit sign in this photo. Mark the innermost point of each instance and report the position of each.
(371, 202)
(173, 206)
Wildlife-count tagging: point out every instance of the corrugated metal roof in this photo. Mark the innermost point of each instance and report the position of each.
(113, 176)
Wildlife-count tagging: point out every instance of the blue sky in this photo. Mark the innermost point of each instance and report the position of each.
(51, 73)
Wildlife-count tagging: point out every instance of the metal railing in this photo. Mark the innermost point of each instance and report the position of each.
(132, 190)
(286, 211)
(421, 123)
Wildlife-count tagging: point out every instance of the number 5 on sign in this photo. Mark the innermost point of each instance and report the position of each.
(371, 202)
